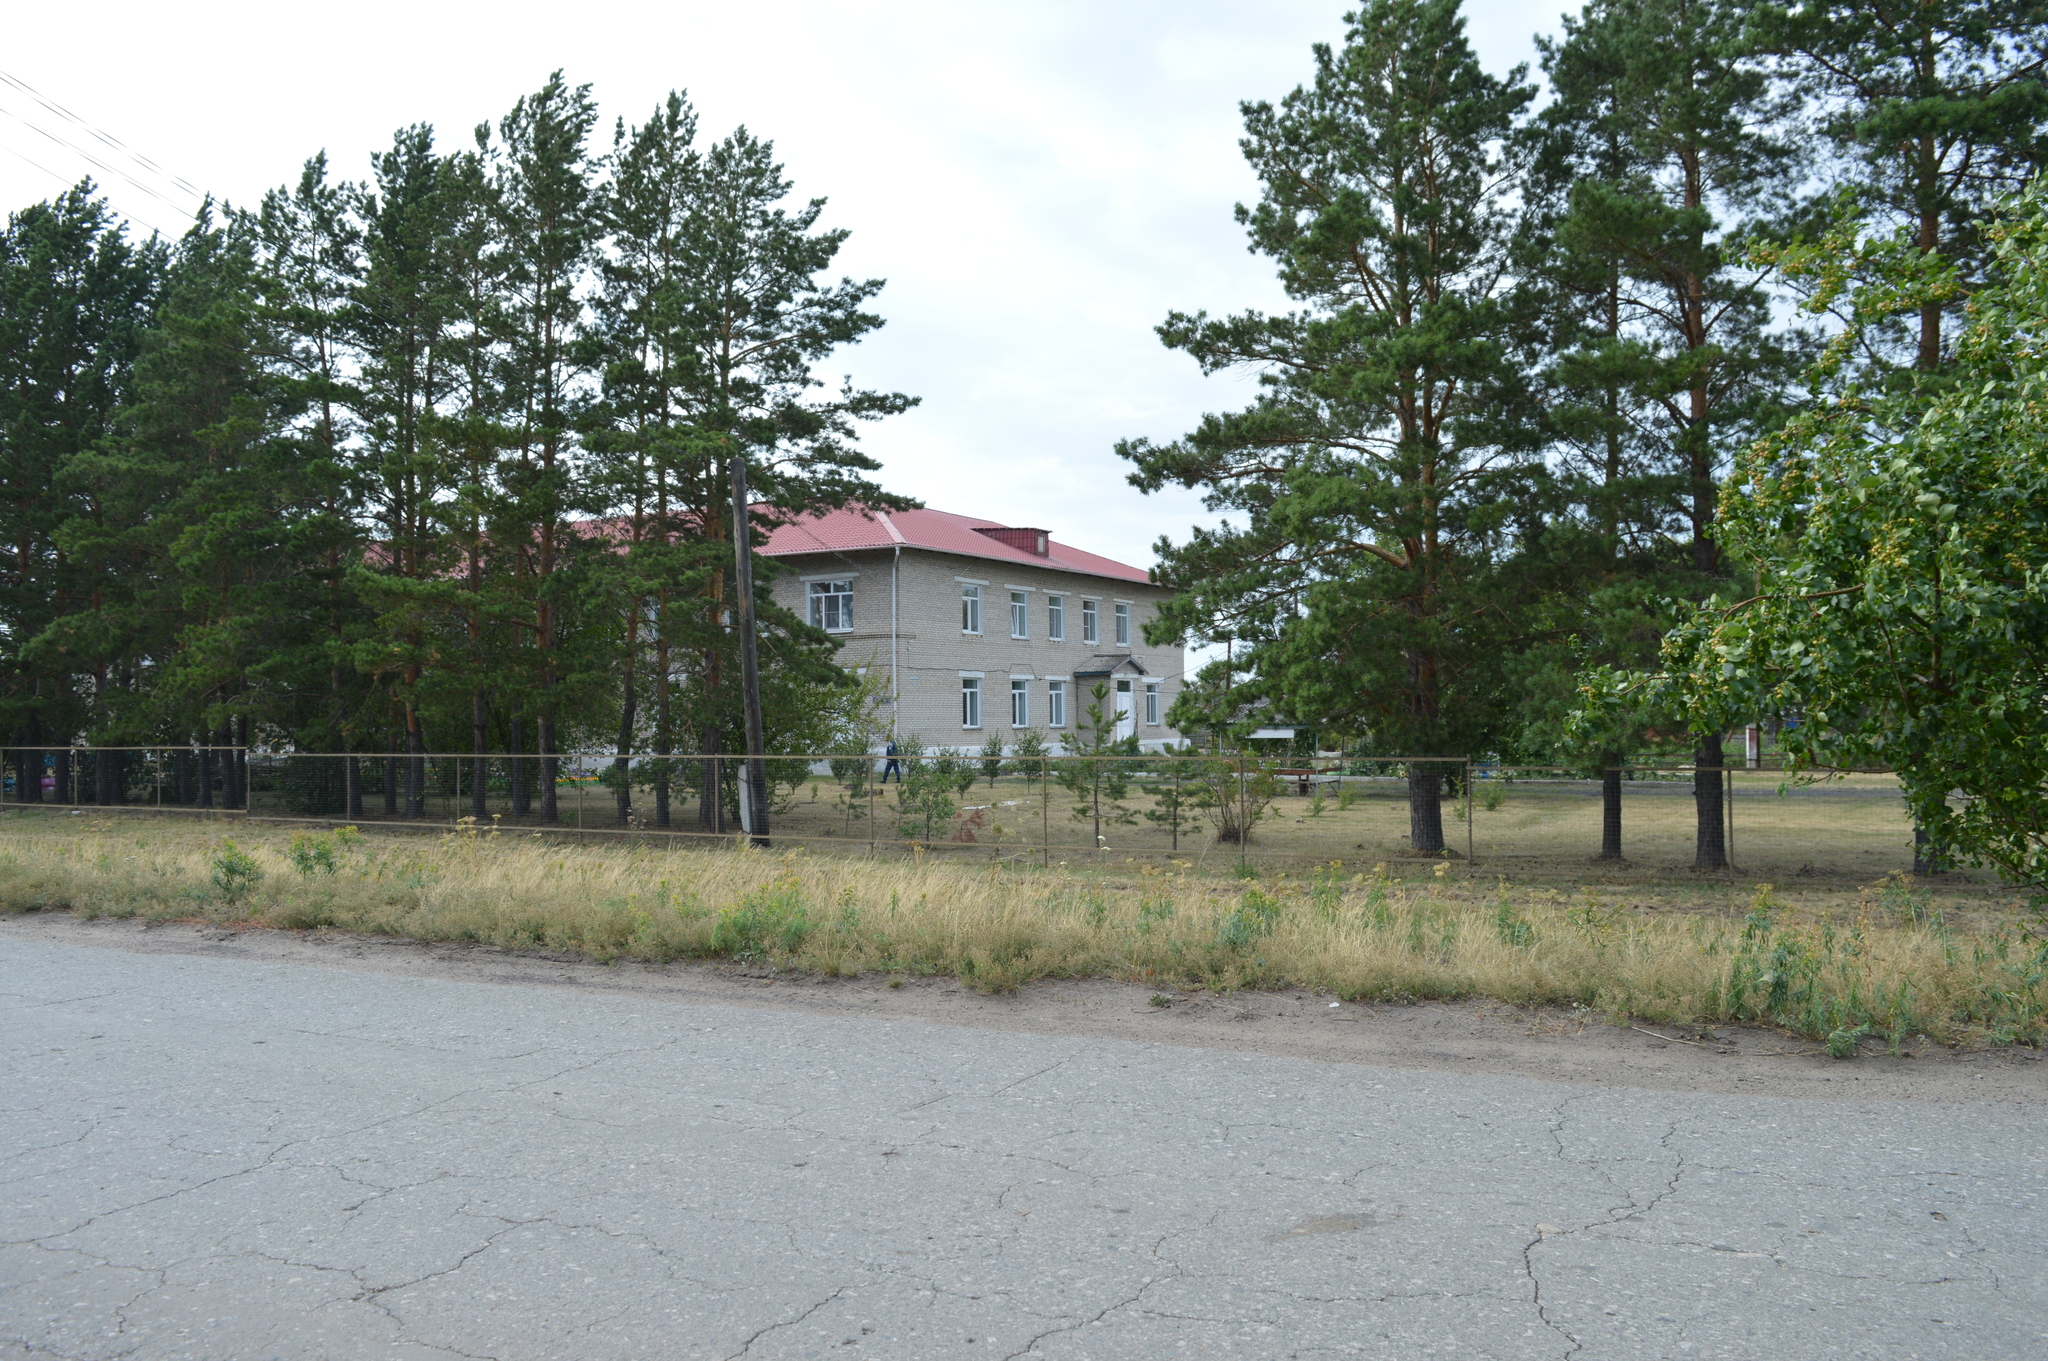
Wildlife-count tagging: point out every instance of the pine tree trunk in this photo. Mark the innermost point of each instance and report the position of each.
(1610, 807)
(205, 774)
(415, 765)
(352, 775)
(391, 776)
(1425, 808)
(663, 767)
(545, 732)
(516, 774)
(106, 771)
(230, 768)
(29, 782)
(622, 769)
(479, 745)
(711, 807)
(1711, 844)
(181, 777)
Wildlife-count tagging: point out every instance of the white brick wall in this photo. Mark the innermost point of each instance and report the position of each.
(932, 650)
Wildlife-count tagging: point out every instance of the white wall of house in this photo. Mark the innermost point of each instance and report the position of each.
(935, 654)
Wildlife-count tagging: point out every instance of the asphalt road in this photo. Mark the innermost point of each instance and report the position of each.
(246, 1159)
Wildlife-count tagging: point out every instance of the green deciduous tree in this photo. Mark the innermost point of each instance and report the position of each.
(1899, 534)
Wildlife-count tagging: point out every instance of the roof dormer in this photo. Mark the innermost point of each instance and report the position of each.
(1033, 541)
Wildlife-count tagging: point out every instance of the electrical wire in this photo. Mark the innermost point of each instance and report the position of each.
(67, 183)
(107, 137)
(93, 160)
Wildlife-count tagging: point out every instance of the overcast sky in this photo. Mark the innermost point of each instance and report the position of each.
(1039, 182)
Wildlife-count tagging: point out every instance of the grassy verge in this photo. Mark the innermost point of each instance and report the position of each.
(1886, 961)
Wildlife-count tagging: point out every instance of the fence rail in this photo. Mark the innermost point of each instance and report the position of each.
(1211, 810)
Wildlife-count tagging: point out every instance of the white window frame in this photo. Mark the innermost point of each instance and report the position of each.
(1056, 618)
(1020, 702)
(1121, 613)
(1056, 703)
(819, 614)
(1151, 704)
(1091, 620)
(970, 608)
(1020, 614)
(970, 701)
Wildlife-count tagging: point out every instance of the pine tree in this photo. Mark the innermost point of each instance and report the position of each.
(548, 223)
(1699, 138)
(75, 300)
(1371, 471)
(1936, 109)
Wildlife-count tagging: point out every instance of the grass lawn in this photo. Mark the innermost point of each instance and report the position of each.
(1845, 832)
(1820, 959)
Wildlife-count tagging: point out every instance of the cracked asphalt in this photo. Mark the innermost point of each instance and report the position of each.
(240, 1158)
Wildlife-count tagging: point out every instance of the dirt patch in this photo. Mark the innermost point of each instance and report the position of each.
(1549, 1043)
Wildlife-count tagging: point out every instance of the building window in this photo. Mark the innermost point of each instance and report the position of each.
(1020, 703)
(1152, 704)
(1123, 624)
(1020, 615)
(1056, 704)
(970, 703)
(1089, 631)
(1056, 618)
(970, 611)
(832, 606)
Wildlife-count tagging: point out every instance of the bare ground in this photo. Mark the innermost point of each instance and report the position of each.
(1551, 1043)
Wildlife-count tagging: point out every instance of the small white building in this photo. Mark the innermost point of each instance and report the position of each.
(979, 626)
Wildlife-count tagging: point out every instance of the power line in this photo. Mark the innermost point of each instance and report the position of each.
(66, 181)
(92, 160)
(106, 137)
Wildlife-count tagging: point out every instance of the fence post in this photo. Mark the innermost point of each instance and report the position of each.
(1468, 814)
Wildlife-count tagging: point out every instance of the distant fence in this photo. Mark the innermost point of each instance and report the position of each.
(1516, 821)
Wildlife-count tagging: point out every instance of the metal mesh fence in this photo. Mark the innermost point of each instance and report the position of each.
(1213, 812)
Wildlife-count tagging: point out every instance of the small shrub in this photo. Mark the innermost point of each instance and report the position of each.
(1511, 926)
(772, 917)
(234, 871)
(1255, 916)
(311, 855)
(1842, 1042)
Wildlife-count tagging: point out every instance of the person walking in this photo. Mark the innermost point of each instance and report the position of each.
(891, 767)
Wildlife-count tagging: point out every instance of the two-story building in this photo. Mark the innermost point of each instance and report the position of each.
(978, 626)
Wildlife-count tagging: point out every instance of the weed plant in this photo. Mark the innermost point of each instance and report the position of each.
(1889, 964)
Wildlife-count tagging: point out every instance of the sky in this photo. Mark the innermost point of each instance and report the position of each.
(1039, 182)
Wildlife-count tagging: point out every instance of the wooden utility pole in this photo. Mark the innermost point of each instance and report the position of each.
(754, 788)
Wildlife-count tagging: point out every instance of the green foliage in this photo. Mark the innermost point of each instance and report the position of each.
(1370, 482)
(1028, 756)
(234, 872)
(1101, 778)
(312, 855)
(1842, 1043)
(925, 796)
(1899, 531)
(772, 917)
(992, 758)
(1255, 916)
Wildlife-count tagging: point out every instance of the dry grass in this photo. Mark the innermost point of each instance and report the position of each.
(1886, 958)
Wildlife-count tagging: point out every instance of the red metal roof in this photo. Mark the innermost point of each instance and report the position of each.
(841, 531)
